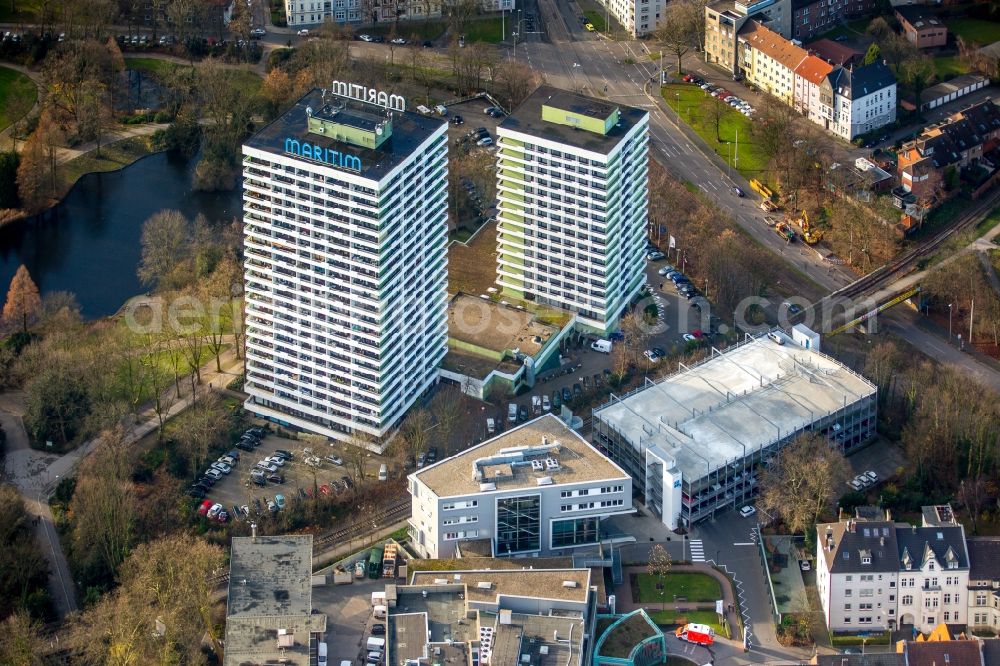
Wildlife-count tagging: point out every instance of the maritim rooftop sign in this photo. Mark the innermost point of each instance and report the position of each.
(317, 153)
(369, 95)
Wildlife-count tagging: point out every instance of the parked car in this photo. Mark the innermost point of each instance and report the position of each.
(258, 32)
(280, 501)
(655, 255)
(522, 413)
(267, 465)
(872, 476)
(577, 390)
(287, 455)
(664, 270)
(277, 460)
(748, 511)
(546, 405)
(485, 141)
(228, 460)
(335, 459)
(303, 33)
(205, 506)
(196, 492)
(347, 481)
(213, 473)
(457, 120)
(275, 478)
(738, 192)
(271, 506)
(214, 510)
(399, 41)
(222, 467)
(567, 395)
(556, 400)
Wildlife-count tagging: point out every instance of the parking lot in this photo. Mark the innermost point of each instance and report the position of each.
(348, 616)
(297, 478)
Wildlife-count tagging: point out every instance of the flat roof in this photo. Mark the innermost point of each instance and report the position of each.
(495, 326)
(270, 575)
(407, 634)
(444, 608)
(409, 130)
(269, 609)
(527, 119)
(524, 582)
(734, 403)
(535, 635)
(578, 462)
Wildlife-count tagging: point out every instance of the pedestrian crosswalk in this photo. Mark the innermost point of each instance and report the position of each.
(697, 550)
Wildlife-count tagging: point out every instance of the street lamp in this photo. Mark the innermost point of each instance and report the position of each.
(949, 323)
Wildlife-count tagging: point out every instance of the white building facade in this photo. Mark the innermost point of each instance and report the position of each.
(345, 228)
(877, 575)
(573, 190)
(857, 101)
(538, 489)
(638, 17)
(306, 13)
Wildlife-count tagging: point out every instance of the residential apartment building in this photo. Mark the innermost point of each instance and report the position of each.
(638, 17)
(854, 101)
(984, 584)
(920, 27)
(874, 575)
(768, 61)
(304, 13)
(814, 17)
(809, 77)
(857, 566)
(959, 141)
(345, 228)
(572, 185)
(695, 441)
(536, 489)
(725, 18)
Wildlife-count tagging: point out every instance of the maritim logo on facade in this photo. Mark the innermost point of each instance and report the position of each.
(311, 151)
(368, 95)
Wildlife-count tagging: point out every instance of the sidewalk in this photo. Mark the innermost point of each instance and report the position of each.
(36, 474)
(624, 603)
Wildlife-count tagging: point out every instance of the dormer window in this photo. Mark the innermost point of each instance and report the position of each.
(866, 559)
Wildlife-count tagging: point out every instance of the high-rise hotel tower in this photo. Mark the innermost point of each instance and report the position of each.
(345, 218)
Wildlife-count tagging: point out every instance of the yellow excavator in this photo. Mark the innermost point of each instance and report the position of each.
(809, 234)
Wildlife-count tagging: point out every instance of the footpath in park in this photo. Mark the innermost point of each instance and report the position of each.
(36, 473)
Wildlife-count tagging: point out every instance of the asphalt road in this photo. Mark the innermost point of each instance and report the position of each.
(623, 72)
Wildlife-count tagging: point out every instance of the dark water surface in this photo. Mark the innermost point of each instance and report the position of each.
(90, 246)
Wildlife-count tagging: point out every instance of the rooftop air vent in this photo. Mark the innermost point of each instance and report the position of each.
(537, 465)
(486, 487)
(544, 480)
(570, 583)
(484, 585)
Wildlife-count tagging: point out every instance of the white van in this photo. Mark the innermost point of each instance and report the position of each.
(491, 426)
(321, 655)
(603, 346)
(383, 472)
(441, 109)
(512, 413)
(375, 644)
(379, 612)
(775, 338)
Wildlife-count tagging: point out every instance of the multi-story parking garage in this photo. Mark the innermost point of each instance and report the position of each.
(345, 218)
(572, 184)
(694, 441)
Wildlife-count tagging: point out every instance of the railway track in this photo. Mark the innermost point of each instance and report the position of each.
(330, 540)
(968, 220)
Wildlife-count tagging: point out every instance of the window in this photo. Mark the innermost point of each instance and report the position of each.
(980, 598)
(847, 606)
(574, 532)
(518, 524)
(907, 600)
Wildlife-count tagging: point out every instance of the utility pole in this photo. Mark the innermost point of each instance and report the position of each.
(949, 323)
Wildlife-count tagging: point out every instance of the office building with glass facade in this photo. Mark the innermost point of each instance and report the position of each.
(539, 488)
(573, 191)
(345, 229)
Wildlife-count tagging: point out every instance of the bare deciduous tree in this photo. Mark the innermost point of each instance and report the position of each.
(801, 482)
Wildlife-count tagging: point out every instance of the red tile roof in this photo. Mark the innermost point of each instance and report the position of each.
(772, 44)
(832, 52)
(813, 69)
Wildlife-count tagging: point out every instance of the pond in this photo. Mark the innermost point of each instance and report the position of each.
(90, 246)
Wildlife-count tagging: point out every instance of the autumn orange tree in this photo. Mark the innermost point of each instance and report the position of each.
(23, 301)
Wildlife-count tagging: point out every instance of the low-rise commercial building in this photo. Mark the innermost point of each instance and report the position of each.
(269, 612)
(694, 441)
(541, 615)
(920, 27)
(538, 488)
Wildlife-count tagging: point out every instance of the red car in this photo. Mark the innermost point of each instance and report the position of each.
(687, 78)
(205, 506)
(325, 489)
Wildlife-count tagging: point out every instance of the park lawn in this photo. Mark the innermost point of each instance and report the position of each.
(15, 85)
(114, 156)
(948, 67)
(413, 30)
(692, 587)
(975, 31)
(669, 617)
(596, 19)
(486, 30)
(154, 66)
(751, 161)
